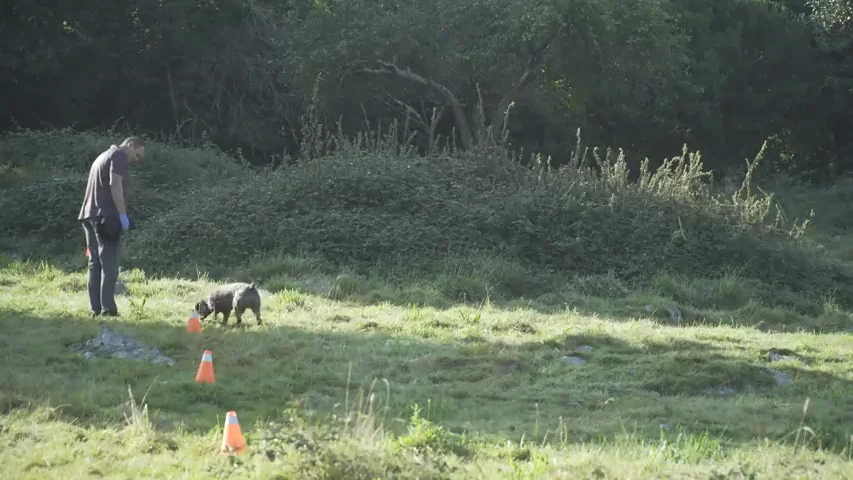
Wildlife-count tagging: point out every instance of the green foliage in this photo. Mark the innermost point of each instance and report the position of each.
(645, 75)
(40, 203)
(371, 207)
(175, 67)
(55, 194)
(755, 74)
(424, 436)
(833, 13)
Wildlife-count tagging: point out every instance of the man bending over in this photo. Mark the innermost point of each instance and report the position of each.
(104, 219)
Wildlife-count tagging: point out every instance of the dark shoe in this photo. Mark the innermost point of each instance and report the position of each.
(94, 314)
(107, 313)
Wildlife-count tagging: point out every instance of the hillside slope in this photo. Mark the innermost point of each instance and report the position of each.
(375, 209)
(441, 317)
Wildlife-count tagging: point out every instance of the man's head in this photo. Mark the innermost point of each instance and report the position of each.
(134, 147)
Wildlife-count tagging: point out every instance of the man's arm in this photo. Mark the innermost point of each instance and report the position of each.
(118, 169)
(118, 192)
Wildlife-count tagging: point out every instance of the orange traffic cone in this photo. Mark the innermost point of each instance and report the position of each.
(205, 369)
(193, 323)
(232, 437)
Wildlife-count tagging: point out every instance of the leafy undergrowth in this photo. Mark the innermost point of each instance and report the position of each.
(339, 383)
(43, 175)
(372, 206)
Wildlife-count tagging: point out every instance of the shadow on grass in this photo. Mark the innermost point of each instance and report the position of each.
(494, 389)
(727, 300)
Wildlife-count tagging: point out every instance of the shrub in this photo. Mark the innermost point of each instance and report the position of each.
(48, 170)
(379, 208)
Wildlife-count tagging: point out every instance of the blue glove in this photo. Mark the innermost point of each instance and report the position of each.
(125, 222)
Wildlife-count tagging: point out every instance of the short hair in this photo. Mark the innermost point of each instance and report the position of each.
(134, 140)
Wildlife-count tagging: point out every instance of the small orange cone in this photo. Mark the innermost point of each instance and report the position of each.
(205, 369)
(232, 437)
(193, 323)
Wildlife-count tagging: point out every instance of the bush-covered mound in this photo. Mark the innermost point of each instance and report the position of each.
(368, 206)
(43, 174)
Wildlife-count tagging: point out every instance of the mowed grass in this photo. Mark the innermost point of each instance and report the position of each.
(361, 386)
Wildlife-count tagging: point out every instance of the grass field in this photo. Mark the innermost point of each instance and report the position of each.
(453, 316)
(358, 389)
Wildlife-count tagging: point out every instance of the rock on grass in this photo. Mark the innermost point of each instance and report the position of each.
(110, 344)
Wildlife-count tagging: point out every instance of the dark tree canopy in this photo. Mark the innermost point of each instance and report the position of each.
(647, 76)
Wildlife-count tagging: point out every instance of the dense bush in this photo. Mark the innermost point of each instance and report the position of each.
(380, 208)
(376, 206)
(45, 173)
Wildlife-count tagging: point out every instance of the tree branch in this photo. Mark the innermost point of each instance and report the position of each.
(449, 97)
(419, 118)
(410, 111)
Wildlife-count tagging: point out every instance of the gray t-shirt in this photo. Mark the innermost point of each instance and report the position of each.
(98, 199)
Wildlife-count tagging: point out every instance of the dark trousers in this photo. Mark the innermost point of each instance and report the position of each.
(103, 269)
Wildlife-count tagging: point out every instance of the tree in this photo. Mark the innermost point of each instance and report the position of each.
(451, 54)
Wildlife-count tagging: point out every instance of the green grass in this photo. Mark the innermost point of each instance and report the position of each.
(330, 385)
(418, 316)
